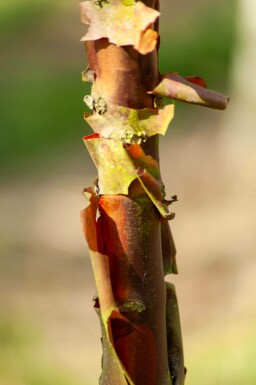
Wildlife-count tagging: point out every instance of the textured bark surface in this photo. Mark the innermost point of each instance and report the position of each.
(123, 76)
(132, 239)
(126, 222)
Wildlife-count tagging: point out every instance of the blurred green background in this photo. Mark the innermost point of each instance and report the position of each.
(49, 333)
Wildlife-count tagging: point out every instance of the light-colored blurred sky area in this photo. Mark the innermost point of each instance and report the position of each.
(49, 334)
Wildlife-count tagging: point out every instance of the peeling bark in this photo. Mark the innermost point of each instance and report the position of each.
(123, 224)
(126, 223)
(189, 90)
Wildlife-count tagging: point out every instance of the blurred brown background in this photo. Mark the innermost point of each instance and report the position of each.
(49, 334)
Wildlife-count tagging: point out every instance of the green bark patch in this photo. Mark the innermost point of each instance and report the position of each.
(119, 165)
(130, 125)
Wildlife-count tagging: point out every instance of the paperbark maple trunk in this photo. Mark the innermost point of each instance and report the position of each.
(130, 232)
(126, 222)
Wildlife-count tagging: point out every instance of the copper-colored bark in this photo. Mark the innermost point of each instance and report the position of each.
(132, 239)
(130, 226)
(130, 243)
(123, 76)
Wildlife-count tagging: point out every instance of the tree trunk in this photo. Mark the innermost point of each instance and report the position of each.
(126, 222)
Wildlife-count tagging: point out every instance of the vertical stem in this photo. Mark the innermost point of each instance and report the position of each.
(130, 242)
(126, 233)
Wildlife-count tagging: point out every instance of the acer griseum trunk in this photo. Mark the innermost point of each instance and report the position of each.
(126, 221)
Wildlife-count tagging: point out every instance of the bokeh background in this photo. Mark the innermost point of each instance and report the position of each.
(49, 334)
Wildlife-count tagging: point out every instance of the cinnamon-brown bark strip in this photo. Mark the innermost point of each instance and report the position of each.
(99, 260)
(131, 234)
(176, 87)
(123, 76)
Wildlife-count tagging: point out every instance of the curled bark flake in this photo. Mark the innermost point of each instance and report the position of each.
(121, 24)
(147, 41)
(90, 227)
(176, 87)
(148, 173)
(116, 171)
(130, 125)
(100, 265)
(154, 190)
(119, 165)
(99, 260)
